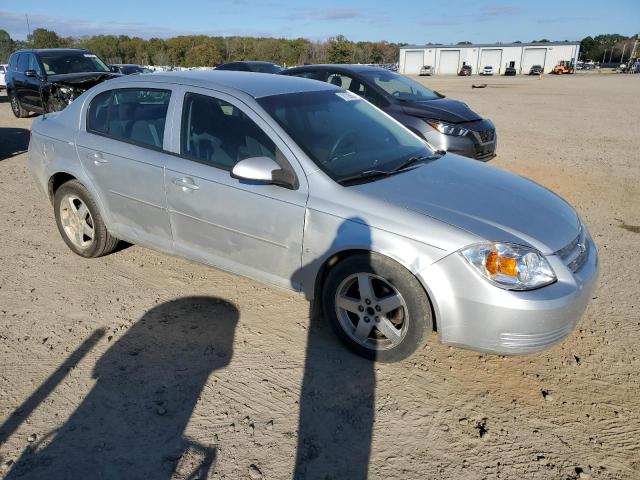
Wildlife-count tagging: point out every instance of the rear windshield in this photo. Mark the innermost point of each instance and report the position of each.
(265, 68)
(58, 63)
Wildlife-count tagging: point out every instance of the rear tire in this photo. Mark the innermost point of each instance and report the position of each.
(388, 322)
(80, 223)
(16, 106)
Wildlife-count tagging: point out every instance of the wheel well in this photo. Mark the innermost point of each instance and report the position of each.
(332, 261)
(56, 181)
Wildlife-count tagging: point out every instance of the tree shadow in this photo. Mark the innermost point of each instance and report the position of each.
(131, 423)
(337, 398)
(13, 141)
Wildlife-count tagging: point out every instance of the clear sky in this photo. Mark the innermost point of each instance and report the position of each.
(411, 21)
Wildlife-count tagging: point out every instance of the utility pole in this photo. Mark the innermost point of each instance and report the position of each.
(28, 26)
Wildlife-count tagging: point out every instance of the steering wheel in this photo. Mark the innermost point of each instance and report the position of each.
(336, 146)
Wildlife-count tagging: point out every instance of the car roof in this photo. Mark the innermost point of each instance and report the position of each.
(254, 84)
(126, 65)
(50, 50)
(341, 66)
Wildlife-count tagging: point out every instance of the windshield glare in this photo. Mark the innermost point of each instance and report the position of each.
(62, 63)
(399, 86)
(343, 134)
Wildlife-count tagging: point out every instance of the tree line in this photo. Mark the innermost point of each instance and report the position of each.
(203, 50)
(608, 48)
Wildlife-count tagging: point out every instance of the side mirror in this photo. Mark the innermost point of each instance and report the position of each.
(263, 170)
(30, 73)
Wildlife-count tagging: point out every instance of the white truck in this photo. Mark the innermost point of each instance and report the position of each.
(3, 83)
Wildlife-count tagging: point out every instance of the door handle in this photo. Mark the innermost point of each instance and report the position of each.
(186, 183)
(97, 158)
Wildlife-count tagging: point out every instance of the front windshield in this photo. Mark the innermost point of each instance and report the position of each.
(58, 63)
(399, 86)
(343, 134)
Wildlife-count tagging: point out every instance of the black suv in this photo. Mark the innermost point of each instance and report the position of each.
(48, 80)
(445, 123)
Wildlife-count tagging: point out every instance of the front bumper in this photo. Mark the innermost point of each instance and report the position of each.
(472, 313)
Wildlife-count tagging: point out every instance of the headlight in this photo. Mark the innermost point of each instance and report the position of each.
(447, 128)
(509, 266)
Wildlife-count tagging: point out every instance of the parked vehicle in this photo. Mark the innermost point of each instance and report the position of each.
(445, 123)
(128, 68)
(487, 70)
(465, 71)
(3, 71)
(563, 67)
(48, 80)
(251, 66)
(426, 70)
(307, 186)
(510, 71)
(535, 70)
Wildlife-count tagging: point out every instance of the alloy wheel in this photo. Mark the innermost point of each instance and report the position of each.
(77, 221)
(371, 311)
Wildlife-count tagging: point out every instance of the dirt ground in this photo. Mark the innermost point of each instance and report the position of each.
(141, 365)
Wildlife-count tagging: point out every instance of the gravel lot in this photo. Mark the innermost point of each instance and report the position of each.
(141, 365)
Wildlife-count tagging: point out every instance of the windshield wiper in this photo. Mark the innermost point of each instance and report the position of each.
(417, 158)
(408, 164)
(366, 175)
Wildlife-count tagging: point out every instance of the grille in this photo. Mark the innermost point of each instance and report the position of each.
(576, 252)
(484, 155)
(487, 135)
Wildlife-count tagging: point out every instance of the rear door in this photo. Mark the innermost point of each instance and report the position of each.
(22, 63)
(121, 147)
(248, 228)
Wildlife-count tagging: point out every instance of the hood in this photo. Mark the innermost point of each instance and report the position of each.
(444, 109)
(491, 203)
(82, 79)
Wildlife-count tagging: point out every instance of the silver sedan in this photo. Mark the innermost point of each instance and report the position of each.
(307, 186)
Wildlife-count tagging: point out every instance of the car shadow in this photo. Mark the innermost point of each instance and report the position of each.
(13, 141)
(337, 398)
(131, 423)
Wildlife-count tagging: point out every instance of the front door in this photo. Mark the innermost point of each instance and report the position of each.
(251, 229)
(121, 150)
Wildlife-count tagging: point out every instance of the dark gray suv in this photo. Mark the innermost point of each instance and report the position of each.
(446, 124)
(46, 80)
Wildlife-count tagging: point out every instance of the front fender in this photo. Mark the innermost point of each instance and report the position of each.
(327, 235)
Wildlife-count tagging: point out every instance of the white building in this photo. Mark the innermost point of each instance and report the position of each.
(448, 59)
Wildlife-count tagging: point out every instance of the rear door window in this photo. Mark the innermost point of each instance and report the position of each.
(13, 62)
(133, 115)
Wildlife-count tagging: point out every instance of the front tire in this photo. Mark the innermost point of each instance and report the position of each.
(16, 106)
(377, 307)
(80, 223)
